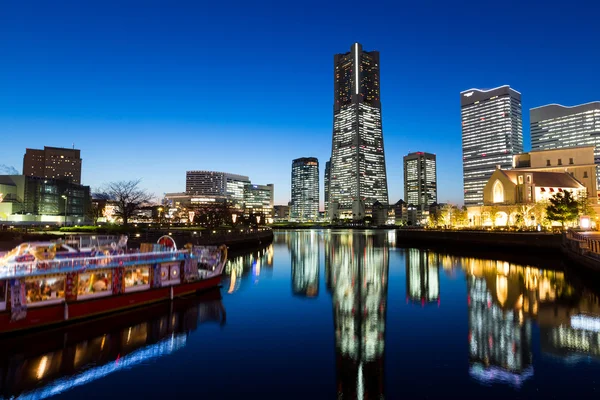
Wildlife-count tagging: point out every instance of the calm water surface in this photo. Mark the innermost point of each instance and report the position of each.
(330, 315)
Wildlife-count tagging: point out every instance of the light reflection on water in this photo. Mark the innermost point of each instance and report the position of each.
(348, 314)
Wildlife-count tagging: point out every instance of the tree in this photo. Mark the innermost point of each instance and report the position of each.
(127, 196)
(562, 207)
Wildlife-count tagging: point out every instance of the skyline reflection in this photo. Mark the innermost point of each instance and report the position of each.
(359, 268)
(305, 253)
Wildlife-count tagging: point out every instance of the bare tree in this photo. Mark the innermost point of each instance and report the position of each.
(127, 196)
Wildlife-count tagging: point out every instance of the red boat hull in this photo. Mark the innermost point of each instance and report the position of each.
(78, 310)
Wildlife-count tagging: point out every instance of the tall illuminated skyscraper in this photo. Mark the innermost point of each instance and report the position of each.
(326, 186)
(492, 132)
(358, 171)
(305, 189)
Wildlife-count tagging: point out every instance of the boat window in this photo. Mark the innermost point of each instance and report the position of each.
(94, 283)
(2, 295)
(169, 272)
(137, 277)
(42, 289)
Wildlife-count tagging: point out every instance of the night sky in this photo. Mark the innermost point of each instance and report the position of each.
(150, 89)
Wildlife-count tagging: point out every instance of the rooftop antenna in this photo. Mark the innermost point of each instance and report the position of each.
(73, 146)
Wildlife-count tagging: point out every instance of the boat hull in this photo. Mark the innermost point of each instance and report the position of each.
(59, 314)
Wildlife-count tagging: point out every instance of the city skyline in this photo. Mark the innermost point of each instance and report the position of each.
(132, 99)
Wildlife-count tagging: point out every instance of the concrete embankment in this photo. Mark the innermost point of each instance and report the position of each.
(520, 242)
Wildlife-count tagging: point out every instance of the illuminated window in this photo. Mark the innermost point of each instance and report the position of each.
(97, 283)
(45, 290)
(137, 279)
(520, 179)
(498, 192)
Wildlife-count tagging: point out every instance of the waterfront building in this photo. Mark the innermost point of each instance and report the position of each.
(326, 187)
(358, 173)
(576, 161)
(281, 212)
(492, 132)
(514, 192)
(258, 201)
(53, 163)
(420, 182)
(217, 184)
(422, 277)
(555, 126)
(305, 189)
(36, 199)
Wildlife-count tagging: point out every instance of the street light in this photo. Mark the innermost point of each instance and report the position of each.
(64, 196)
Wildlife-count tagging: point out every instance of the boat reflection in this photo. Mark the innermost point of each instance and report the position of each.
(254, 265)
(46, 364)
(358, 266)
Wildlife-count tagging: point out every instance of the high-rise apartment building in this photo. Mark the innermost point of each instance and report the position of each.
(557, 127)
(53, 163)
(358, 171)
(326, 187)
(305, 189)
(211, 183)
(492, 132)
(420, 179)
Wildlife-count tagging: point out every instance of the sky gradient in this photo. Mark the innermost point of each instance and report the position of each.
(151, 89)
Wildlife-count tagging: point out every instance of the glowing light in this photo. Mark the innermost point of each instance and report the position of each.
(585, 323)
(585, 222)
(42, 367)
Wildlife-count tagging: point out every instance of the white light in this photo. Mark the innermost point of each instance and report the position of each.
(585, 222)
(356, 65)
(469, 94)
(585, 323)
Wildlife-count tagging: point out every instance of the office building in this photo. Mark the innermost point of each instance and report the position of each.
(420, 180)
(305, 189)
(492, 132)
(37, 199)
(219, 184)
(358, 174)
(326, 187)
(258, 200)
(53, 163)
(556, 127)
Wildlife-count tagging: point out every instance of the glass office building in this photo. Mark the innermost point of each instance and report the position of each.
(357, 156)
(492, 132)
(305, 189)
(556, 127)
(420, 179)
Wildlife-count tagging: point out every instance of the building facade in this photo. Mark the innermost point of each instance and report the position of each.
(258, 200)
(53, 163)
(326, 187)
(420, 180)
(212, 183)
(492, 132)
(36, 199)
(305, 189)
(576, 161)
(358, 172)
(556, 127)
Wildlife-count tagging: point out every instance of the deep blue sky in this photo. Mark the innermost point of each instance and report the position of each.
(150, 89)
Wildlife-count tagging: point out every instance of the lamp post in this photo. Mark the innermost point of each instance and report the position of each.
(64, 196)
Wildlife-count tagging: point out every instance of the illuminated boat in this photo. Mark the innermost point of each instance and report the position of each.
(47, 283)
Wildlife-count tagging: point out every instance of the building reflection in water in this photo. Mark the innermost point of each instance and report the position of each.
(304, 250)
(253, 265)
(49, 363)
(358, 264)
(422, 276)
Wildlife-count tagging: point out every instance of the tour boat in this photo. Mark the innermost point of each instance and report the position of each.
(48, 283)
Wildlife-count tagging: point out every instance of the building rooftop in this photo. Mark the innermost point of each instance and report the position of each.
(547, 179)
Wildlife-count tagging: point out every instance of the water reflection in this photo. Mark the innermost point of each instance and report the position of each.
(41, 365)
(304, 250)
(254, 265)
(422, 276)
(358, 267)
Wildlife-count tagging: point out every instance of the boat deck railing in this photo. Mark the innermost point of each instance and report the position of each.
(43, 267)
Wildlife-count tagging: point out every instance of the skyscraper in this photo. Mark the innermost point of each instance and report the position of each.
(326, 188)
(492, 132)
(420, 180)
(555, 127)
(358, 171)
(305, 189)
(53, 163)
